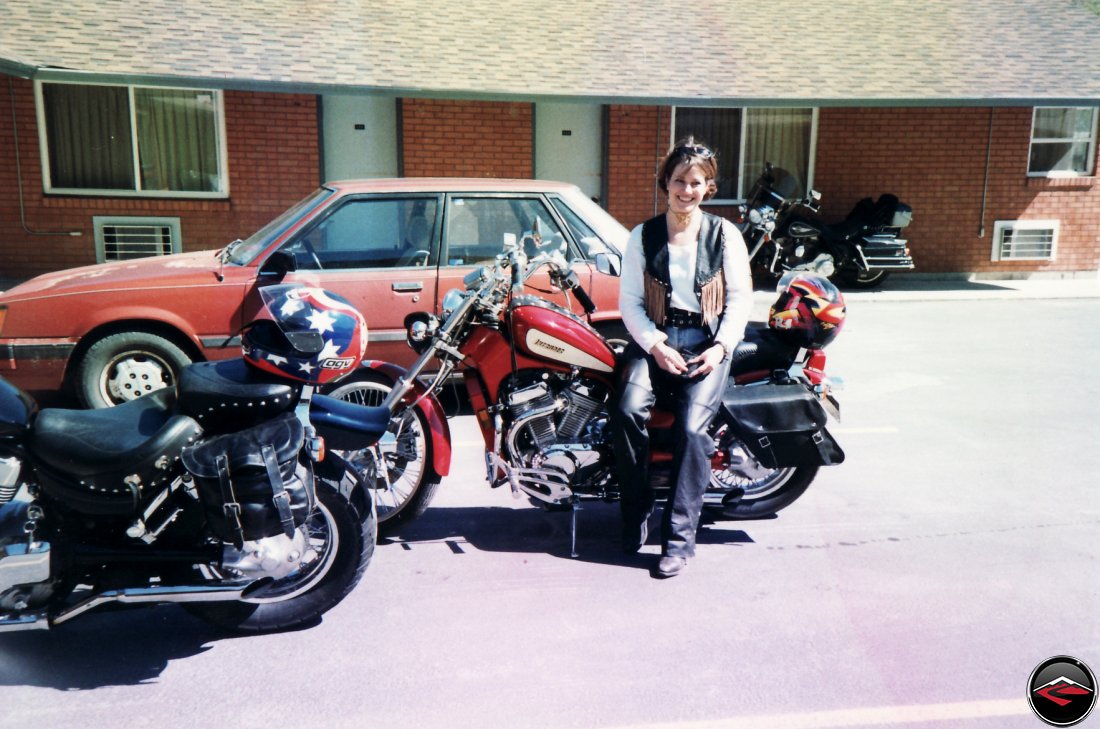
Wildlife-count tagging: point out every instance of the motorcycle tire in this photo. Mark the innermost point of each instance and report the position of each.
(349, 533)
(793, 483)
(413, 483)
(860, 279)
(765, 490)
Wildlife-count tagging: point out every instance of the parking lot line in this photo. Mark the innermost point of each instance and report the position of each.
(862, 717)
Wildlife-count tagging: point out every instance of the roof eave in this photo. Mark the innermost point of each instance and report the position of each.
(65, 75)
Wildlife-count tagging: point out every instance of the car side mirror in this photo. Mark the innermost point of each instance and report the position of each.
(608, 263)
(279, 264)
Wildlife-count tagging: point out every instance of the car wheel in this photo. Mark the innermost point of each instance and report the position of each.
(124, 366)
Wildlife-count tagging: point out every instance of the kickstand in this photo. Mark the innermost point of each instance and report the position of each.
(573, 529)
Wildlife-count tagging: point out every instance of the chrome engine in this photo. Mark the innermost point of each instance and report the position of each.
(25, 577)
(275, 557)
(556, 439)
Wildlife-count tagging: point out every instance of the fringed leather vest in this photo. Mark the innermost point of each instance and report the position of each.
(710, 284)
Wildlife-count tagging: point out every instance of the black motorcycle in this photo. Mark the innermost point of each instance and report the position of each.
(786, 233)
(217, 495)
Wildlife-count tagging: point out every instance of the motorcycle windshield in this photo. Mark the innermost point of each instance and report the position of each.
(774, 186)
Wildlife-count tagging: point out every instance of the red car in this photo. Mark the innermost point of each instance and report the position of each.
(113, 332)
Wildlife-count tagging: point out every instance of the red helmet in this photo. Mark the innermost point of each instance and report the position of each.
(305, 334)
(809, 312)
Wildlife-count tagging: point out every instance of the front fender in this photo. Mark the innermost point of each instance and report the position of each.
(438, 429)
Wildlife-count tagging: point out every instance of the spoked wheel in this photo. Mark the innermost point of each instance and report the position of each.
(409, 483)
(331, 551)
(765, 490)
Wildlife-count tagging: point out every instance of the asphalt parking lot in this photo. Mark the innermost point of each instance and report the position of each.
(916, 585)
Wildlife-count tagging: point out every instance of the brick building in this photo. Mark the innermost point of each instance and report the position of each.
(996, 150)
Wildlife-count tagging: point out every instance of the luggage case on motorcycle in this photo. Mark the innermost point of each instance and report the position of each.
(782, 423)
(254, 483)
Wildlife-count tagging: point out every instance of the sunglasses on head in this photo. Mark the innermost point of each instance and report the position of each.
(695, 150)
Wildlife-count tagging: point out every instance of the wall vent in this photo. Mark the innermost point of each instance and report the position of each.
(123, 239)
(1025, 240)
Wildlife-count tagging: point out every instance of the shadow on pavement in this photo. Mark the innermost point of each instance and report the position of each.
(118, 647)
(535, 530)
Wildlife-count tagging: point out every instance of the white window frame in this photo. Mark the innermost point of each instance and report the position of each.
(1090, 156)
(99, 222)
(223, 156)
(1000, 226)
(752, 175)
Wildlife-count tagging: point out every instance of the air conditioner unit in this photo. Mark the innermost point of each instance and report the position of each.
(125, 238)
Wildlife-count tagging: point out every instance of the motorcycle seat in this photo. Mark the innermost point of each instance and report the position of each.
(345, 425)
(227, 395)
(760, 350)
(99, 461)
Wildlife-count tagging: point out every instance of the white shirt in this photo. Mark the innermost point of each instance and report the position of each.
(681, 270)
(735, 267)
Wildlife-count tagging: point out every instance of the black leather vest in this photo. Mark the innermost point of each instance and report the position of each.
(708, 265)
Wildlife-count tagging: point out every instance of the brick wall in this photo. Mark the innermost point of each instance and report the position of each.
(443, 138)
(935, 160)
(637, 137)
(273, 161)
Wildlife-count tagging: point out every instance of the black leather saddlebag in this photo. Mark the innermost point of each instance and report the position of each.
(254, 483)
(782, 424)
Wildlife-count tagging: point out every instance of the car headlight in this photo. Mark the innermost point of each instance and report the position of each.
(451, 300)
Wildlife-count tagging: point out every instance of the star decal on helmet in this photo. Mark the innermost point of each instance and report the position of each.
(291, 306)
(329, 351)
(321, 321)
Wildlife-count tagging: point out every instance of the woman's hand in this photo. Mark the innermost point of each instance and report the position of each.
(668, 359)
(708, 361)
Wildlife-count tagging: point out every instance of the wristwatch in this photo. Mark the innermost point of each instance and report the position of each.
(725, 352)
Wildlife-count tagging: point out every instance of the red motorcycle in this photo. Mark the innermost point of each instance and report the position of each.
(540, 380)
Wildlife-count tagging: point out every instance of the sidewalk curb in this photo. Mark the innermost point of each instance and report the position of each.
(969, 290)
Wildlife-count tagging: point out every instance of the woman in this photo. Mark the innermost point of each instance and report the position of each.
(685, 297)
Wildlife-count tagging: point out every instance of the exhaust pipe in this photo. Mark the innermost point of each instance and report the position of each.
(130, 595)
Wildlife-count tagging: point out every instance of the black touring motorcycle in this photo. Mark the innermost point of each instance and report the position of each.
(218, 495)
(786, 233)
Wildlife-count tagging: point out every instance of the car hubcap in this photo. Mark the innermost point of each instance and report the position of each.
(134, 375)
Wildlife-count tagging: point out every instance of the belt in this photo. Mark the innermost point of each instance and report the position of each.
(683, 318)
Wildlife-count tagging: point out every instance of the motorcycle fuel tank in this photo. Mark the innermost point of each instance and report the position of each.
(547, 331)
(17, 410)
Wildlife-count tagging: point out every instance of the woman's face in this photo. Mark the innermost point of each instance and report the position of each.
(686, 188)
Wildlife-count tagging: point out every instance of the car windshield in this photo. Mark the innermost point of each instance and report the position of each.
(245, 252)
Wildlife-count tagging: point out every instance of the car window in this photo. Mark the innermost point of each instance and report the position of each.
(609, 230)
(370, 233)
(475, 226)
(589, 241)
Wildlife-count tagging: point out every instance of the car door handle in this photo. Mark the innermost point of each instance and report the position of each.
(408, 286)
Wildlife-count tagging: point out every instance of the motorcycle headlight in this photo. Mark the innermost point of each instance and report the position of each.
(476, 277)
(419, 329)
(451, 300)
